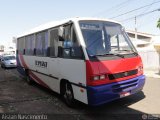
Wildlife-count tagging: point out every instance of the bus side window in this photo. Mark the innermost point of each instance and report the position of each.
(66, 44)
(53, 51)
(70, 47)
(41, 43)
(76, 51)
(29, 45)
(21, 45)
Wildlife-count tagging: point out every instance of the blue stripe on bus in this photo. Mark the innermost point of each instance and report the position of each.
(98, 95)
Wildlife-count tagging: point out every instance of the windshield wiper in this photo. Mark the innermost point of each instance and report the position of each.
(115, 54)
(119, 55)
(135, 53)
(131, 52)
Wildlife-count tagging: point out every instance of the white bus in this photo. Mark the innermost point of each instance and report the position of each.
(85, 59)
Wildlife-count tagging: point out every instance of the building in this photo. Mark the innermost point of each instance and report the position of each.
(1, 49)
(141, 40)
(9, 50)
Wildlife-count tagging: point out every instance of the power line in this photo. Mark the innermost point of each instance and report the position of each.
(118, 5)
(147, 9)
(135, 9)
(140, 15)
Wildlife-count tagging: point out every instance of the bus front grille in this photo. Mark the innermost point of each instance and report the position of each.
(120, 87)
(122, 74)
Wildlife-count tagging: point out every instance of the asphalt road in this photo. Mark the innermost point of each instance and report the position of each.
(17, 97)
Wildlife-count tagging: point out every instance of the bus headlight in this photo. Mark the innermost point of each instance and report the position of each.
(102, 77)
(96, 78)
(99, 77)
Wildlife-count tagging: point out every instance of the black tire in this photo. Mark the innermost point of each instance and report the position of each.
(28, 78)
(4, 66)
(68, 95)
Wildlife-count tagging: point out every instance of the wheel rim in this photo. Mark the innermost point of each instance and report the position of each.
(68, 94)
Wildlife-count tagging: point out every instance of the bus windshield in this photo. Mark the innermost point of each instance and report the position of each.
(105, 38)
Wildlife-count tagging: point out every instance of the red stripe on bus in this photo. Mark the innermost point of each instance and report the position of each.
(39, 80)
(32, 74)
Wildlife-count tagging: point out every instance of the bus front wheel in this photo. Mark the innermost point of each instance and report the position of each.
(68, 94)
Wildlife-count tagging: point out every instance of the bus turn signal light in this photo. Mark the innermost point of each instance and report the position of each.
(140, 69)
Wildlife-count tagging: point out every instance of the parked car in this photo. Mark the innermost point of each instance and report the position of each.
(8, 61)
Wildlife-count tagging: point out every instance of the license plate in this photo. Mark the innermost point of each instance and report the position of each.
(124, 94)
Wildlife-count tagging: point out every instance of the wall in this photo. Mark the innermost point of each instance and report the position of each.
(150, 59)
(150, 56)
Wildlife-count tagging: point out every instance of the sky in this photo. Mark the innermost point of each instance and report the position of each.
(18, 16)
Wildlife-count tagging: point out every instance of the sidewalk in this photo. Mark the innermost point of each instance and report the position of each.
(152, 73)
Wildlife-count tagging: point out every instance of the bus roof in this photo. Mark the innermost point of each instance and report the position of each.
(57, 23)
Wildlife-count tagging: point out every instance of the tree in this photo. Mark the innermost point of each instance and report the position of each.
(158, 23)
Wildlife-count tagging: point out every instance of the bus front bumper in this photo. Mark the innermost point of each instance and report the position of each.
(98, 95)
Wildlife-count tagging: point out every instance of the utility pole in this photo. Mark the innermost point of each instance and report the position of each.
(135, 28)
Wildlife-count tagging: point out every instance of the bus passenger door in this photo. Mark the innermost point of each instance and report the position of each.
(53, 60)
(72, 63)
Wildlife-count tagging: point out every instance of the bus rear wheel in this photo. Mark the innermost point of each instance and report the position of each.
(68, 95)
(28, 78)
